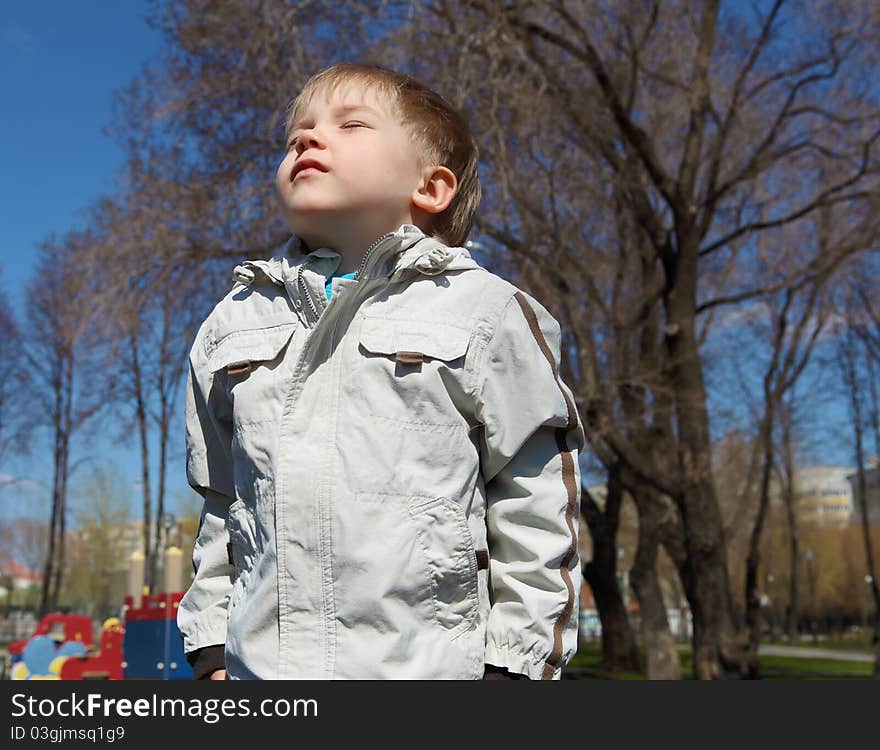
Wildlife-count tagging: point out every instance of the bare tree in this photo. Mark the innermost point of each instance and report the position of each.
(14, 432)
(97, 565)
(718, 129)
(225, 89)
(786, 474)
(152, 296)
(619, 646)
(794, 334)
(641, 164)
(23, 541)
(58, 316)
(852, 360)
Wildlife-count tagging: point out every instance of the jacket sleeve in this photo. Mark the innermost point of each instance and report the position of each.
(201, 616)
(531, 438)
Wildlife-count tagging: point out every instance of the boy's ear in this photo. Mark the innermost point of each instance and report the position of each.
(436, 190)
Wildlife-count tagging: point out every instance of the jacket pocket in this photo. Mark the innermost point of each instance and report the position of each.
(411, 371)
(247, 366)
(448, 546)
(393, 338)
(409, 562)
(239, 352)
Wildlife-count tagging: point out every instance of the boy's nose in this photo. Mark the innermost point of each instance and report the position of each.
(308, 139)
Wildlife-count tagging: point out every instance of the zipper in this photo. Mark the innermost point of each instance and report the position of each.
(290, 404)
(369, 251)
(304, 291)
(303, 287)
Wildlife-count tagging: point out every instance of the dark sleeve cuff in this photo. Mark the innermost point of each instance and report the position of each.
(501, 673)
(206, 660)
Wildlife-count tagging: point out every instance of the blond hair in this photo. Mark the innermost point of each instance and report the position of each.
(440, 133)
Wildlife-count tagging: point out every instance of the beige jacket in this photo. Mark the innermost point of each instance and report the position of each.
(390, 479)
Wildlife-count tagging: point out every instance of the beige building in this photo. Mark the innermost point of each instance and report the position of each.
(823, 495)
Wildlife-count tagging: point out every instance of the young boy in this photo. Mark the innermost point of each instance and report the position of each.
(387, 454)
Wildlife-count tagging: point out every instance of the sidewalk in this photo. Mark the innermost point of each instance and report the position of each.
(816, 653)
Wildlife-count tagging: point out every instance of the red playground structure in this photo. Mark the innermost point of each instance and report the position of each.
(144, 644)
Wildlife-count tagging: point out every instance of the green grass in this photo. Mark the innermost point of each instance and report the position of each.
(802, 668)
(587, 665)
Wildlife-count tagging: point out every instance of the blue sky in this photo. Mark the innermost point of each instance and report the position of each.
(60, 63)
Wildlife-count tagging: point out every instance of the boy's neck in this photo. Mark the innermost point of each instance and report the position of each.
(350, 262)
(352, 254)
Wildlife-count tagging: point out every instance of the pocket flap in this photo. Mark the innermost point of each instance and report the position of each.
(408, 338)
(256, 345)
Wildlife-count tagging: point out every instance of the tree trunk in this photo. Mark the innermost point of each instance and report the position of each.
(160, 494)
(62, 521)
(141, 416)
(663, 662)
(849, 366)
(60, 426)
(875, 423)
(717, 651)
(160, 490)
(619, 649)
(164, 420)
(791, 608)
(67, 426)
(49, 567)
(753, 560)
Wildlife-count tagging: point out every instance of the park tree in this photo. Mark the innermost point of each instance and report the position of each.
(720, 126)
(223, 90)
(796, 325)
(152, 297)
(853, 358)
(96, 576)
(58, 352)
(23, 541)
(14, 430)
(644, 166)
(26, 541)
(785, 472)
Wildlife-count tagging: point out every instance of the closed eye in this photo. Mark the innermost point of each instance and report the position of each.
(354, 124)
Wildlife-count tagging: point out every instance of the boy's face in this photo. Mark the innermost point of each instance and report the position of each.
(350, 170)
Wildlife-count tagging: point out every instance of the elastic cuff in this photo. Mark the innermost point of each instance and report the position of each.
(206, 660)
(501, 673)
(514, 662)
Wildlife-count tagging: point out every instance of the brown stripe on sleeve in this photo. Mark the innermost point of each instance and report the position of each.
(482, 559)
(569, 481)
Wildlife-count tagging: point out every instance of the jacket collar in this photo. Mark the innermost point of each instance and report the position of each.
(392, 255)
(410, 249)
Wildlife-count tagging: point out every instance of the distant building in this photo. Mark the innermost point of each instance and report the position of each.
(21, 576)
(128, 538)
(823, 495)
(16, 577)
